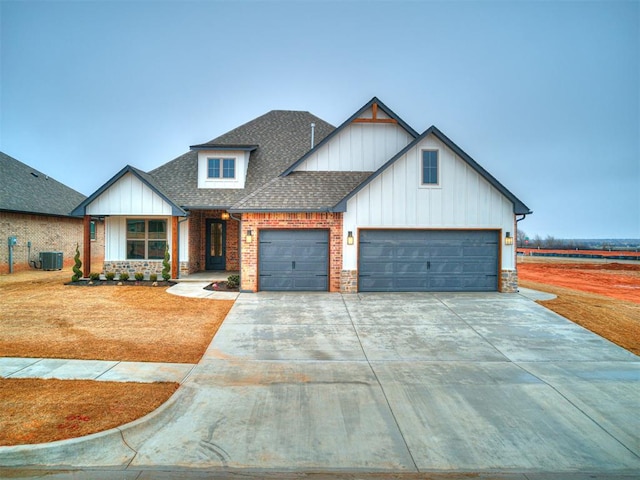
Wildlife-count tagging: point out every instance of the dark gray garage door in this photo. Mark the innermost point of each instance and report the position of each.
(428, 261)
(294, 260)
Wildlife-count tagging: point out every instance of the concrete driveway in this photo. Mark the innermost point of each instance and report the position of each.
(392, 382)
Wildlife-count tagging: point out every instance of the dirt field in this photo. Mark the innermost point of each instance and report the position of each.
(43, 318)
(603, 297)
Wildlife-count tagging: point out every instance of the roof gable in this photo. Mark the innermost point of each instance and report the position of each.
(374, 111)
(25, 189)
(274, 140)
(143, 177)
(519, 208)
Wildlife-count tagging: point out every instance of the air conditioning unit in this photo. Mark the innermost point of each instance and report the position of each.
(51, 260)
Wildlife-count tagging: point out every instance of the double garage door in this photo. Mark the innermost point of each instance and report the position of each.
(389, 260)
(428, 261)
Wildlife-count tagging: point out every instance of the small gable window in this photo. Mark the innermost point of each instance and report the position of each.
(146, 239)
(430, 174)
(221, 168)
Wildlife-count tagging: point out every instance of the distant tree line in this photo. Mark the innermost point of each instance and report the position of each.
(552, 243)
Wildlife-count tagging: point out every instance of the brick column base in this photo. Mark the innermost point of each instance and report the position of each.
(509, 281)
(349, 281)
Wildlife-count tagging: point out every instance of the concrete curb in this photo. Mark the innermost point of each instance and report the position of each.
(108, 448)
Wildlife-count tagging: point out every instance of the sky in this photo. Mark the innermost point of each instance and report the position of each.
(545, 95)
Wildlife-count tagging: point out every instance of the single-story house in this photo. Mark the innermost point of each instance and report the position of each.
(34, 216)
(294, 203)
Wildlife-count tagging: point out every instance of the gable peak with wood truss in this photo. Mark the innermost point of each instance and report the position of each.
(375, 115)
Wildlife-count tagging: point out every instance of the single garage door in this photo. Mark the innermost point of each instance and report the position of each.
(428, 261)
(294, 260)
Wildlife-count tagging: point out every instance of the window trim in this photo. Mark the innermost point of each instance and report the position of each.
(147, 239)
(221, 169)
(437, 184)
(92, 231)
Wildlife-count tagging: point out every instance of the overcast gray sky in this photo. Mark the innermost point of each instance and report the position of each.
(544, 95)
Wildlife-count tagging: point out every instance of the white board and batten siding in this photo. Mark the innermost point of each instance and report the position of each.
(359, 147)
(397, 199)
(116, 237)
(129, 196)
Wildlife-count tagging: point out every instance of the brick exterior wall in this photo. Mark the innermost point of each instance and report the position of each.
(509, 281)
(258, 221)
(46, 234)
(198, 240)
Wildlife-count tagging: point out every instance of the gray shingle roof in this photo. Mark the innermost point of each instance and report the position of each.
(302, 191)
(281, 136)
(25, 189)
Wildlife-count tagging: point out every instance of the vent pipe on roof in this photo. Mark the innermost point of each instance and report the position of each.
(313, 131)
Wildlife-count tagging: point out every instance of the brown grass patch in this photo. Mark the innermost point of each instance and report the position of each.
(38, 411)
(43, 318)
(616, 320)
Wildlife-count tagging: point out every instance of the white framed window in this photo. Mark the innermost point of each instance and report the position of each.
(430, 168)
(223, 168)
(92, 230)
(146, 238)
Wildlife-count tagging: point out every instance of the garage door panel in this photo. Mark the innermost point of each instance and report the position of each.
(294, 260)
(428, 260)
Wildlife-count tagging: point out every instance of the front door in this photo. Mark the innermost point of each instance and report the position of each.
(216, 245)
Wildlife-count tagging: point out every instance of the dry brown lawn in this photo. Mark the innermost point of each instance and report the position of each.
(43, 318)
(40, 317)
(37, 410)
(602, 297)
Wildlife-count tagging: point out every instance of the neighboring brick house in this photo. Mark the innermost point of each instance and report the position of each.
(35, 209)
(294, 203)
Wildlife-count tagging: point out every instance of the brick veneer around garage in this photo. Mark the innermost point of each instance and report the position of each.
(262, 221)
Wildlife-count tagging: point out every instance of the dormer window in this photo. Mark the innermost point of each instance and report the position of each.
(221, 168)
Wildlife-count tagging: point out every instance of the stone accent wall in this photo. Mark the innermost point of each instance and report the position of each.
(509, 281)
(145, 266)
(257, 221)
(349, 281)
(46, 234)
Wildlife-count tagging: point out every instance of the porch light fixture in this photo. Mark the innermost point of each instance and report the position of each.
(508, 239)
(249, 237)
(350, 238)
(225, 216)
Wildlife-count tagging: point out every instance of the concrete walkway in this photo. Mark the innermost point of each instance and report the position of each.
(397, 384)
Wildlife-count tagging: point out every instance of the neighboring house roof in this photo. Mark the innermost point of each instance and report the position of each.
(143, 177)
(275, 140)
(519, 208)
(302, 191)
(365, 107)
(25, 189)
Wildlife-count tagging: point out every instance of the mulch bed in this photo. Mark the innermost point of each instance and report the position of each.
(220, 287)
(118, 283)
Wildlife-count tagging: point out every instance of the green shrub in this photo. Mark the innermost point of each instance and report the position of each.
(166, 266)
(94, 276)
(77, 273)
(233, 281)
(124, 276)
(153, 277)
(110, 276)
(139, 276)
